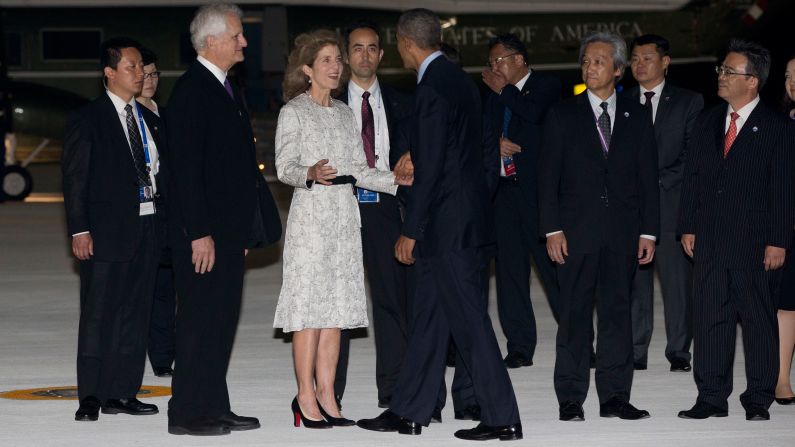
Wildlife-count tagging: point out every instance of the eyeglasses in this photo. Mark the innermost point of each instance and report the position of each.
(497, 60)
(153, 75)
(726, 71)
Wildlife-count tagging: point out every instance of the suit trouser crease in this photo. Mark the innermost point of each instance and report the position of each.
(163, 319)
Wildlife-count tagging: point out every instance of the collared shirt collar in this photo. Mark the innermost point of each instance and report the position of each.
(657, 90)
(523, 81)
(424, 65)
(217, 72)
(119, 103)
(745, 111)
(355, 91)
(597, 101)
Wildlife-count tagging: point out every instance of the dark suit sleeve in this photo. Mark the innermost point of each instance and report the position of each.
(399, 143)
(428, 155)
(688, 204)
(649, 182)
(781, 190)
(671, 176)
(550, 166)
(76, 162)
(186, 129)
(533, 106)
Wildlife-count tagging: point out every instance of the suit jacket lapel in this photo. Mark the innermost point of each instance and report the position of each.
(621, 118)
(590, 133)
(117, 136)
(749, 130)
(720, 128)
(663, 105)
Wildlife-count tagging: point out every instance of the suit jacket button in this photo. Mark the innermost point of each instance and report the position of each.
(720, 191)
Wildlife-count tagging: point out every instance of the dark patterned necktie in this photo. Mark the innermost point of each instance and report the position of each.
(648, 96)
(604, 127)
(368, 130)
(137, 148)
(228, 88)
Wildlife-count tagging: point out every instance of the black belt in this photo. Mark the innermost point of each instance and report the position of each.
(343, 180)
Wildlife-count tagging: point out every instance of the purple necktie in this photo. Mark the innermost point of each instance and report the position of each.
(368, 130)
(228, 88)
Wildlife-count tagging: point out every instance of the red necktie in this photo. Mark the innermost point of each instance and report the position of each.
(731, 134)
(368, 130)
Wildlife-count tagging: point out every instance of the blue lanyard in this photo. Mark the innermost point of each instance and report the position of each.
(143, 134)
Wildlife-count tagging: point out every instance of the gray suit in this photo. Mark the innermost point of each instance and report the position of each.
(676, 114)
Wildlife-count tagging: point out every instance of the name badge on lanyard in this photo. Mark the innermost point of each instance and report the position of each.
(366, 196)
(146, 194)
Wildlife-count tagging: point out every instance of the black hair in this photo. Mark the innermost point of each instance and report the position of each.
(511, 42)
(662, 44)
(757, 55)
(111, 50)
(360, 24)
(148, 56)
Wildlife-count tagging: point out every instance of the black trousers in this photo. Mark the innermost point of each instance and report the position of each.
(583, 277)
(115, 302)
(448, 299)
(721, 297)
(209, 310)
(516, 225)
(162, 324)
(676, 280)
(389, 296)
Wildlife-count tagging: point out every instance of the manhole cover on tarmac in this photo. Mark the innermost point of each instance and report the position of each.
(70, 393)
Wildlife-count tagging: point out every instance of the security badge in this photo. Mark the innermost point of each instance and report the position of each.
(146, 197)
(365, 196)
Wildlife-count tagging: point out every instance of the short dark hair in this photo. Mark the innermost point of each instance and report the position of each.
(757, 55)
(422, 26)
(787, 104)
(451, 54)
(360, 24)
(511, 42)
(662, 44)
(148, 56)
(111, 50)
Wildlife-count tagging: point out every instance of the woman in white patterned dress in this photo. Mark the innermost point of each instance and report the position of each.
(318, 148)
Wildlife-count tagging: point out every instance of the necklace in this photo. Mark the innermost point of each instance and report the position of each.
(316, 101)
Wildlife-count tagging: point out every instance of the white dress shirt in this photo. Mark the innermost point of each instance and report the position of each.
(376, 101)
(744, 113)
(655, 100)
(520, 86)
(596, 106)
(217, 72)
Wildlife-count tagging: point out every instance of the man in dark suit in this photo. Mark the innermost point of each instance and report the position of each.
(216, 216)
(516, 104)
(600, 210)
(736, 221)
(446, 221)
(111, 166)
(377, 118)
(673, 111)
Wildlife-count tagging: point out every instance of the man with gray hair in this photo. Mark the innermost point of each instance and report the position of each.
(599, 210)
(446, 220)
(216, 216)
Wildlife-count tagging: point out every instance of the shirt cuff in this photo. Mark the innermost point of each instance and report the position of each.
(649, 237)
(78, 234)
(554, 232)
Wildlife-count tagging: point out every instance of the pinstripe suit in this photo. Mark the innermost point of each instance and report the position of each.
(736, 207)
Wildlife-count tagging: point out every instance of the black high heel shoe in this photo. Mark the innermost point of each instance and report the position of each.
(337, 422)
(779, 400)
(298, 417)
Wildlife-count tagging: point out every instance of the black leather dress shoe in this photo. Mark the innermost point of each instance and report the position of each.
(785, 400)
(756, 413)
(703, 410)
(388, 421)
(680, 365)
(128, 406)
(471, 413)
(617, 408)
(88, 410)
(202, 427)
(571, 411)
(437, 415)
(239, 423)
(517, 360)
(163, 371)
(639, 366)
(485, 432)
(384, 403)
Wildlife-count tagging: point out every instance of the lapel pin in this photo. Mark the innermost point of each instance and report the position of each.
(667, 98)
(155, 127)
(626, 114)
(755, 129)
